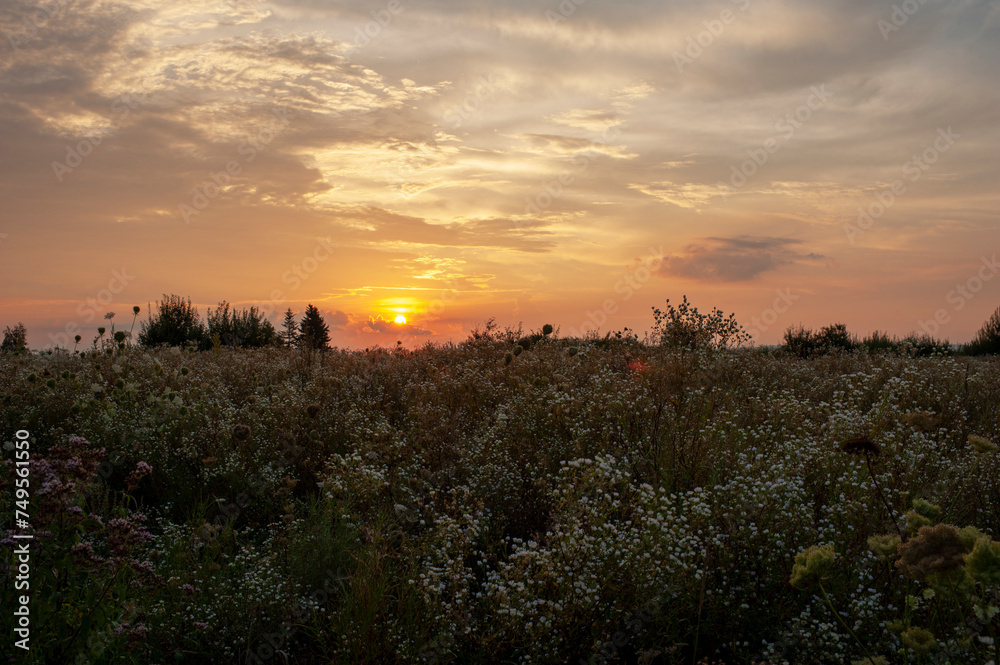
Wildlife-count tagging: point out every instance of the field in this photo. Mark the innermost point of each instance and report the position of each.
(611, 502)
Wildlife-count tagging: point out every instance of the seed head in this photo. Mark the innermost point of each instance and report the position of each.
(312, 410)
(982, 445)
(136, 309)
(859, 445)
(547, 329)
(241, 432)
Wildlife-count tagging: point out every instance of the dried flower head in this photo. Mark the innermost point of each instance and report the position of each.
(812, 566)
(935, 549)
(921, 421)
(312, 410)
(547, 329)
(241, 432)
(920, 640)
(136, 309)
(859, 445)
(982, 445)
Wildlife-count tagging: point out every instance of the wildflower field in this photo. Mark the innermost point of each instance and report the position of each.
(612, 502)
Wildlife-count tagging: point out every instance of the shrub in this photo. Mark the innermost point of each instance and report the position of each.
(15, 339)
(175, 323)
(685, 327)
(804, 342)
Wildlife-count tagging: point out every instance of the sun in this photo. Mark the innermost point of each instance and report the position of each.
(400, 319)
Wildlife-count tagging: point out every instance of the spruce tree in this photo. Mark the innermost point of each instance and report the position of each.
(291, 328)
(314, 331)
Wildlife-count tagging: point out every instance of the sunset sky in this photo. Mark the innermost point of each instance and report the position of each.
(573, 163)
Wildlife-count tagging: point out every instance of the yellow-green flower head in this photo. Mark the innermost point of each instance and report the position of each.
(982, 444)
(969, 536)
(927, 509)
(920, 640)
(983, 563)
(915, 521)
(812, 566)
(885, 547)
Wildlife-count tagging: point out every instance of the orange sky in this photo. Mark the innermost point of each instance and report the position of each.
(572, 163)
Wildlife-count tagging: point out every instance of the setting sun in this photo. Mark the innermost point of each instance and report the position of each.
(400, 319)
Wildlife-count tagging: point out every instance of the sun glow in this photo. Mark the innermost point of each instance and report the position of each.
(400, 319)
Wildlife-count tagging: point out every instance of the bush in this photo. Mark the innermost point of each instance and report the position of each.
(804, 342)
(686, 327)
(911, 345)
(246, 328)
(15, 340)
(176, 323)
(987, 340)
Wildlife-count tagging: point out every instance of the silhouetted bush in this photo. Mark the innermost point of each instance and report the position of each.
(15, 339)
(246, 328)
(175, 323)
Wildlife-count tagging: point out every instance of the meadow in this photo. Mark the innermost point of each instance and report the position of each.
(593, 501)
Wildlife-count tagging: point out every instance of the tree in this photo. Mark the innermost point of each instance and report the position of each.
(291, 328)
(175, 323)
(314, 333)
(987, 340)
(15, 339)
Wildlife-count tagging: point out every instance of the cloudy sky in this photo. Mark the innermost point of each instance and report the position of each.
(573, 162)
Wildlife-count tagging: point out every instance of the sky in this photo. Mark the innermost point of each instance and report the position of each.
(573, 162)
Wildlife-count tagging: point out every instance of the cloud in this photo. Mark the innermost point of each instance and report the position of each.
(736, 259)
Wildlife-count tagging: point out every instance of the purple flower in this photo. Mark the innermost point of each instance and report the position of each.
(75, 510)
(78, 441)
(200, 624)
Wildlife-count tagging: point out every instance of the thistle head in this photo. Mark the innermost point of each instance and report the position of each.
(547, 329)
(312, 410)
(241, 432)
(136, 309)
